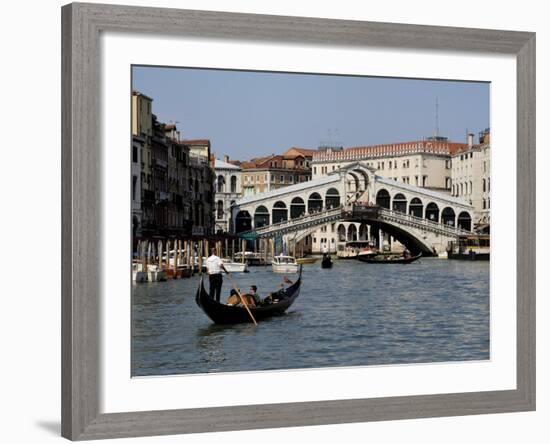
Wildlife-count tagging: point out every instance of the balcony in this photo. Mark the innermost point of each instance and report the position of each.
(161, 163)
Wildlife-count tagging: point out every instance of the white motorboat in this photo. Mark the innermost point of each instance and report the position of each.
(235, 267)
(284, 264)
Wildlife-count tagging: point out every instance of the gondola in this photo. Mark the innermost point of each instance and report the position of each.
(327, 261)
(227, 314)
(383, 259)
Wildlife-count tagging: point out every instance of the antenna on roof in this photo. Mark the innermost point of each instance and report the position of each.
(436, 117)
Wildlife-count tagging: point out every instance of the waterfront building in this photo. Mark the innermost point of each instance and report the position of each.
(138, 143)
(263, 174)
(228, 189)
(422, 163)
(471, 175)
(201, 181)
(173, 178)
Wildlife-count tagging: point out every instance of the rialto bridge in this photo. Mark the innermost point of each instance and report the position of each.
(362, 204)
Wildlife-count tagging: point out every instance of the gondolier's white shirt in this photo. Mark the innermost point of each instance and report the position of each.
(214, 265)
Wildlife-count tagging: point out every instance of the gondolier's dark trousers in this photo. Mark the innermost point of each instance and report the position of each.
(216, 281)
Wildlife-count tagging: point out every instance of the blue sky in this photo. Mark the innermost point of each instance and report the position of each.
(247, 114)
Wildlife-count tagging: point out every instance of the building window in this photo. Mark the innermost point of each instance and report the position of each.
(314, 170)
(134, 154)
(282, 179)
(483, 185)
(134, 184)
(291, 179)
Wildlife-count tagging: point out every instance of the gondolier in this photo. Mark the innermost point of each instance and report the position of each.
(214, 266)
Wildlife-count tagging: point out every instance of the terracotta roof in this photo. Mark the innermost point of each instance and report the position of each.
(437, 146)
(303, 151)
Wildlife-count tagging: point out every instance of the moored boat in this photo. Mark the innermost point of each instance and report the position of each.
(231, 314)
(284, 264)
(389, 259)
(470, 248)
(235, 267)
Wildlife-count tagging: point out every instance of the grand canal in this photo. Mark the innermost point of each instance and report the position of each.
(434, 310)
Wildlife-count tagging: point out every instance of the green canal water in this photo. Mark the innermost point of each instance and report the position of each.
(355, 314)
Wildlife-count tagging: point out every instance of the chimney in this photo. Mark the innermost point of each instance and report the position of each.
(226, 158)
(470, 140)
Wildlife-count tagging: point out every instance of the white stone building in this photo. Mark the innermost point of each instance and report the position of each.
(425, 163)
(228, 188)
(471, 176)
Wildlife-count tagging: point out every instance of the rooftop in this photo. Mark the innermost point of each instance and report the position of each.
(220, 164)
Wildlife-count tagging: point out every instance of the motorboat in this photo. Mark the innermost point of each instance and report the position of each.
(284, 264)
(235, 267)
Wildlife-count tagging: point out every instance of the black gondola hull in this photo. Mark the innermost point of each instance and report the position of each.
(378, 260)
(226, 314)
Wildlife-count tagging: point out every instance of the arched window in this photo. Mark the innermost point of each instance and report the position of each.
(465, 221)
(341, 233)
(399, 203)
(261, 217)
(314, 203)
(221, 183)
(219, 208)
(483, 186)
(297, 208)
(243, 221)
(383, 199)
(415, 207)
(332, 198)
(432, 212)
(352, 233)
(471, 187)
(233, 184)
(280, 212)
(448, 216)
(363, 232)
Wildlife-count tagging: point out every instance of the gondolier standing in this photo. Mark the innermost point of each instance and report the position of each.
(214, 266)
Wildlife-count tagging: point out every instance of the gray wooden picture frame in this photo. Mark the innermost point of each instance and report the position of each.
(81, 254)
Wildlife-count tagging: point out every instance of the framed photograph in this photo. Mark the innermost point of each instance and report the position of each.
(278, 221)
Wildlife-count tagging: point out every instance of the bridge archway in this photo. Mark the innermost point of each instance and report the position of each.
(297, 208)
(342, 235)
(352, 232)
(314, 203)
(352, 182)
(448, 216)
(414, 244)
(416, 208)
(432, 212)
(399, 203)
(332, 198)
(465, 221)
(280, 212)
(261, 217)
(243, 221)
(383, 198)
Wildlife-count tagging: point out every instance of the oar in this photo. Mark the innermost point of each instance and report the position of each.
(242, 300)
